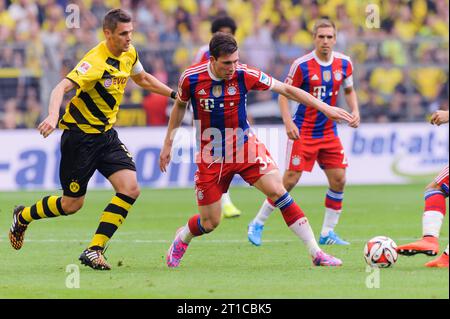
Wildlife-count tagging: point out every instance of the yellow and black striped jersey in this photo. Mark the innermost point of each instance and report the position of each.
(101, 78)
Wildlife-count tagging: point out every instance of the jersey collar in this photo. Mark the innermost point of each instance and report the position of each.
(323, 63)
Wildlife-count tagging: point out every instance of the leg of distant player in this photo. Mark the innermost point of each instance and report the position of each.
(441, 261)
(333, 207)
(434, 212)
(272, 186)
(228, 208)
(48, 207)
(198, 225)
(256, 226)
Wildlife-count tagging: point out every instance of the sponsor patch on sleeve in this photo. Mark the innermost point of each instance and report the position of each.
(264, 79)
(83, 67)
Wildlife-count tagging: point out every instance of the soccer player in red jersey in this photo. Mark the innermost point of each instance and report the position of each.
(434, 212)
(217, 90)
(227, 25)
(312, 136)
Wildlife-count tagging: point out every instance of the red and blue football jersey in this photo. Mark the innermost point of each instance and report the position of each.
(202, 54)
(220, 106)
(323, 80)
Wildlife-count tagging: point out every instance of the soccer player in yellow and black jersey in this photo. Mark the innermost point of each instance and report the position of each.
(89, 142)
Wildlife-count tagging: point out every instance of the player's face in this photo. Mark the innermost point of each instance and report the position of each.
(120, 39)
(325, 40)
(225, 66)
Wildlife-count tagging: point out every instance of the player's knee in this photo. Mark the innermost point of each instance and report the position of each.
(290, 179)
(132, 191)
(338, 184)
(210, 224)
(71, 206)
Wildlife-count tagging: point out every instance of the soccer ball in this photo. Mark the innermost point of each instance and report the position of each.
(381, 252)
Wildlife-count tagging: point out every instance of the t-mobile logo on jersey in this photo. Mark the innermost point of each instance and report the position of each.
(319, 91)
(208, 104)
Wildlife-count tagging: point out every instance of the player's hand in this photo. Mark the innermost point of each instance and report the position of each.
(337, 114)
(164, 158)
(356, 120)
(48, 125)
(292, 130)
(439, 117)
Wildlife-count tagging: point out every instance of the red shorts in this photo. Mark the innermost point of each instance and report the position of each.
(212, 179)
(442, 180)
(303, 153)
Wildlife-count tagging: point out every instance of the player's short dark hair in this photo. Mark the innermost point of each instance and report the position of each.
(222, 44)
(223, 22)
(113, 17)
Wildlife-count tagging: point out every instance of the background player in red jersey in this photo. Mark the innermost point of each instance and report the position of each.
(312, 136)
(227, 25)
(434, 212)
(217, 90)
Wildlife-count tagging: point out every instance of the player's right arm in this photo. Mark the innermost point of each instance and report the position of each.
(48, 125)
(291, 129)
(176, 117)
(439, 117)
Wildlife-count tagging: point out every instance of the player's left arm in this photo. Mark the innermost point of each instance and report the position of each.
(352, 102)
(149, 82)
(301, 96)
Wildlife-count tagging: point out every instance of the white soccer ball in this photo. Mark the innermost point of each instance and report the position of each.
(381, 252)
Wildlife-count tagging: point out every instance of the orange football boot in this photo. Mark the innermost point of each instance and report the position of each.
(427, 245)
(440, 262)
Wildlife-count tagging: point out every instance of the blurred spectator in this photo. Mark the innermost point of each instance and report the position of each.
(401, 69)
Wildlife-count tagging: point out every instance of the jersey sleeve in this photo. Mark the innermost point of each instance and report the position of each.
(85, 74)
(257, 80)
(348, 78)
(184, 93)
(295, 75)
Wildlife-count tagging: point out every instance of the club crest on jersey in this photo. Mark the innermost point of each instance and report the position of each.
(84, 67)
(217, 90)
(337, 75)
(231, 90)
(107, 83)
(326, 76)
(296, 160)
(264, 79)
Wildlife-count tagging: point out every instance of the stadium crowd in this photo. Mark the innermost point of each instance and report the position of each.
(401, 67)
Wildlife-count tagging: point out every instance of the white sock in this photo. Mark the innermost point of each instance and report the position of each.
(330, 220)
(264, 213)
(446, 250)
(186, 235)
(226, 199)
(431, 223)
(302, 230)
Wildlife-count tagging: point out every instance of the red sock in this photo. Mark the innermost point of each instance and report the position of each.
(195, 226)
(435, 201)
(292, 213)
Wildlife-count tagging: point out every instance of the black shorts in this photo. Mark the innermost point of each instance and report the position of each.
(82, 154)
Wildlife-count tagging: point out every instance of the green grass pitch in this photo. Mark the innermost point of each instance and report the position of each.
(222, 264)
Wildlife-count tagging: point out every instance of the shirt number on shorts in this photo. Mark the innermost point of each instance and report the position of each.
(264, 163)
